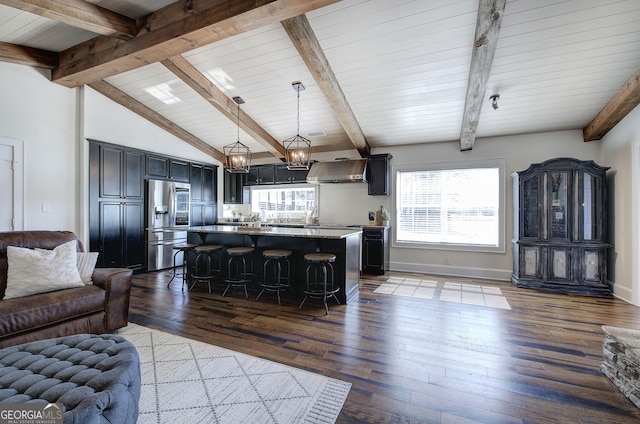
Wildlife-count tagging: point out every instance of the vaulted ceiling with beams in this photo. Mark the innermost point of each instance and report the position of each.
(377, 73)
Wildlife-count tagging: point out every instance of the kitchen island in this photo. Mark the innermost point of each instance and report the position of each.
(344, 243)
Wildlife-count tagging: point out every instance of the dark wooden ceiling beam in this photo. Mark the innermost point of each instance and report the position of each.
(171, 31)
(81, 14)
(224, 104)
(23, 55)
(308, 46)
(154, 117)
(623, 102)
(490, 14)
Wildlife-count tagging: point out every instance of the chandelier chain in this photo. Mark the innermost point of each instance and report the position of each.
(298, 115)
(238, 121)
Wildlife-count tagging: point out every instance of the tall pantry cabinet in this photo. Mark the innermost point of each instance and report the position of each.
(560, 234)
(116, 211)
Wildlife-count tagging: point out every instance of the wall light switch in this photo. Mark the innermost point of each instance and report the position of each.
(46, 207)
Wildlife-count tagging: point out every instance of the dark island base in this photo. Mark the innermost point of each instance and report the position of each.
(346, 267)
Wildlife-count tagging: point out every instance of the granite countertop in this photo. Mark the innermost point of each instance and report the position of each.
(274, 224)
(278, 231)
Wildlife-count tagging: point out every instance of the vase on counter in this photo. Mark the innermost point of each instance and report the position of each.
(382, 217)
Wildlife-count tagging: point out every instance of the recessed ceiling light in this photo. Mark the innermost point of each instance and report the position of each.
(317, 133)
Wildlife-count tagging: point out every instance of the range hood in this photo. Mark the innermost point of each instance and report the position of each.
(338, 171)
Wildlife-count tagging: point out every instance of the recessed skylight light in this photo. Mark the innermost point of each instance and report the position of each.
(164, 93)
(221, 79)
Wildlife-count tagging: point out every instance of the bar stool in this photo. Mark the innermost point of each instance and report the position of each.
(322, 285)
(207, 264)
(185, 249)
(238, 274)
(275, 281)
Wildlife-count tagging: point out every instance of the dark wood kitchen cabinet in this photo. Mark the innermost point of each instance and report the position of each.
(116, 211)
(179, 170)
(260, 174)
(121, 236)
(282, 174)
(157, 166)
(299, 175)
(375, 250)
(162, 167)
(117, 199)
(560, 234)
(378, 174)
(274, 173)
(233, 185)
(203, 180)
(286, 176)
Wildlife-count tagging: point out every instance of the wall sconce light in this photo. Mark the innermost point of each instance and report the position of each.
(237, 155)
(494, 101)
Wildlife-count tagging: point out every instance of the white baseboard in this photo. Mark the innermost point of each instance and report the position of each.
(454, 271)
(622, 293)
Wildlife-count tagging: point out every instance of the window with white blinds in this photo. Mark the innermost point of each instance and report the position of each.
(456, 206)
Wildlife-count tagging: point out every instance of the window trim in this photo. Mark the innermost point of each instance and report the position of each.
(441, 166)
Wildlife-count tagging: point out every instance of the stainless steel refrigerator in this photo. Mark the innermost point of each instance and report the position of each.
(168, 206)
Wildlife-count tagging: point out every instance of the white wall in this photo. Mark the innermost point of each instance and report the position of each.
(110, 122)
(43, 116)
(621, 148)
(54, 122)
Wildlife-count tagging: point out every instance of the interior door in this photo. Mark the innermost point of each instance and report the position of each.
(11, 189)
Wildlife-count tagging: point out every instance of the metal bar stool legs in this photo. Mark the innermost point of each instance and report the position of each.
(183, 248)
(276, 280)
(204, 269)
(238, 273)
(322, 285)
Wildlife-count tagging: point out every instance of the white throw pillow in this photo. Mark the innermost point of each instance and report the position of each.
(86, 264)
(33, 271)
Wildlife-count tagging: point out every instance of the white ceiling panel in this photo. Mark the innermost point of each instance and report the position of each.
(558, 63)
(403, 67)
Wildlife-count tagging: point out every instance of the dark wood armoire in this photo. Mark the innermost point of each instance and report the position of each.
(560, 234)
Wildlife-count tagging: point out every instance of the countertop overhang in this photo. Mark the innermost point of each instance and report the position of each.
(305, 232)
(300, 225)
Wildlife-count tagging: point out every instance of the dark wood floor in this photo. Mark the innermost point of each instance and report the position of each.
(415, 360)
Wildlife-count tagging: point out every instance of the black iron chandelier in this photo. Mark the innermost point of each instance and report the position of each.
(297, 149)
(237, 155)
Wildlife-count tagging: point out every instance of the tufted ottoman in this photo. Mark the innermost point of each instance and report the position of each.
(93, 378)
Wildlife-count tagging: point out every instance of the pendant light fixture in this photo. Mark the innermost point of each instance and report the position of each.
(237, 155)
(297, 149)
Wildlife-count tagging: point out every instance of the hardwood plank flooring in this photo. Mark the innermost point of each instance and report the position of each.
(416, 360)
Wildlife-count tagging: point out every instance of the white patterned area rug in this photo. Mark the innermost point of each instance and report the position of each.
(187, 381)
